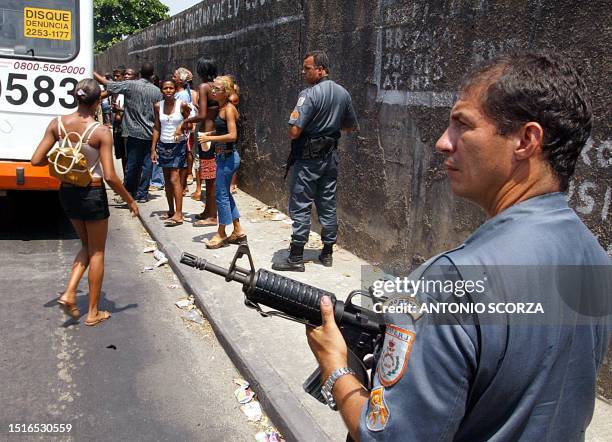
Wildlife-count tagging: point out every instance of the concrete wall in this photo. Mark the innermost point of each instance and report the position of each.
(402, 61)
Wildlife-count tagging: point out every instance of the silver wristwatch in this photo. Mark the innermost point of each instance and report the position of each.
(326, 389)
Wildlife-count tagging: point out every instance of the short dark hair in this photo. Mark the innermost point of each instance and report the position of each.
(87, 91)
(119, 69)
(540, 87)
(320, 59)
(146, 70)
(206, 69)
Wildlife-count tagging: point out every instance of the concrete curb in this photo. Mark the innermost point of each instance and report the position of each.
(283, 408)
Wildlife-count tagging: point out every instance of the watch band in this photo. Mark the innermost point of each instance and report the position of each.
(326, 389)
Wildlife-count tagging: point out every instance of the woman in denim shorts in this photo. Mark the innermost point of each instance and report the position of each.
(86, 207)
(169, 150)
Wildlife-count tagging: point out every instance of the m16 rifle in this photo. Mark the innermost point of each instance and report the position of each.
(299, 302)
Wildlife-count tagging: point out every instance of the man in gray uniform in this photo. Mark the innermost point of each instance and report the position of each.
(321, 112)
(511, 146)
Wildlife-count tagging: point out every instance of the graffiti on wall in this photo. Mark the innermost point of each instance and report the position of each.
(180, 29)
(592, 198)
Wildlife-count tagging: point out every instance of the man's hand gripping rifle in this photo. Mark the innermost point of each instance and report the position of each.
(300, 302)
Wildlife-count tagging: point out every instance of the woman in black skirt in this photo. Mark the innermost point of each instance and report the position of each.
(86, 207)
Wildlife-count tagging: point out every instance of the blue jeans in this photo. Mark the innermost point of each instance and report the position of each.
(157, 177)
(227, 165)
(138, 154)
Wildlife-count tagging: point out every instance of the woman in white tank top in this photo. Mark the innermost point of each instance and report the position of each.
(169, 150)
(86, 207)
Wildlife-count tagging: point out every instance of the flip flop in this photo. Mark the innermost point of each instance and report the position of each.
(104, 315)
(172, 223)
(237, 239)
(69, 308)
(205, 222)
(217, 244)
(200, 216)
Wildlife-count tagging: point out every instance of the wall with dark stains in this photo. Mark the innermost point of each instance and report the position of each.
(402, 61)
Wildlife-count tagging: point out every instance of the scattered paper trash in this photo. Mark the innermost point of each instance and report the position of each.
(252, 410)
(193, 316)
(272, 211)
(147, 269)
(279, 217)
(150, 241)
(183, 303)
(160, 257)
(244, 394)
(268, 436)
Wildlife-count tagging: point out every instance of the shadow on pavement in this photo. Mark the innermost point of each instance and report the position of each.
(32, 215)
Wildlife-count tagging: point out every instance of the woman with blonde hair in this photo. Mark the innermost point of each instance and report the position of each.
(86, 207)
(223, 141)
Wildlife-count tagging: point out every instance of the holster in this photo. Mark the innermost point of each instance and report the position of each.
(315, 148)
(294, 153)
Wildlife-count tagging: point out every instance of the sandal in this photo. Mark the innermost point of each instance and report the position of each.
(221, 242)
(237, 239)
(172, 223)
(205, 222)
(202, 215)
(103, 316)
(69, 308)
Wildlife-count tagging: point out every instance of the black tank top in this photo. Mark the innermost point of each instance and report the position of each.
(221, 129)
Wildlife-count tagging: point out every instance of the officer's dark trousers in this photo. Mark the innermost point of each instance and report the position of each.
(314, 180)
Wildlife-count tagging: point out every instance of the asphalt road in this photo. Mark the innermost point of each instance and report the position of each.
(145, 374)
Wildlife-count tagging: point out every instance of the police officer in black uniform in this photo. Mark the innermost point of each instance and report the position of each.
(321, 112)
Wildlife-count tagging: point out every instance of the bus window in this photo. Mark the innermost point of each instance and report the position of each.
(42, 30)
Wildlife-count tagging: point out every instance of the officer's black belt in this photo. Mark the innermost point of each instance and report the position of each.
(320, 147)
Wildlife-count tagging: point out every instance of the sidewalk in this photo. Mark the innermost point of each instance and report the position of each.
(272, 353)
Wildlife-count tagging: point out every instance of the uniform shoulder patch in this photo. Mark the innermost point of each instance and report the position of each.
(301, 101)
(395, 354)
(378, 412)
(294, 115)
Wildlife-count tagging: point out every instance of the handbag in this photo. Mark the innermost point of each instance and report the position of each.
(66, 161)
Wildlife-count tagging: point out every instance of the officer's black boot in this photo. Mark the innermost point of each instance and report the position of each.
(295, 261)
(326, 255)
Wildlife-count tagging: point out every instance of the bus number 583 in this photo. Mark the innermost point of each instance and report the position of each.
(16, 93)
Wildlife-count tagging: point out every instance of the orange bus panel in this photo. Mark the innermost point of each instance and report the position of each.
(35, 178)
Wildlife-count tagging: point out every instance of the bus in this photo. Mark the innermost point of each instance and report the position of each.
(46, 47)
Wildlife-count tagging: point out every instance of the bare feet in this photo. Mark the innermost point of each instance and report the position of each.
(196, 196)
(167, 215)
